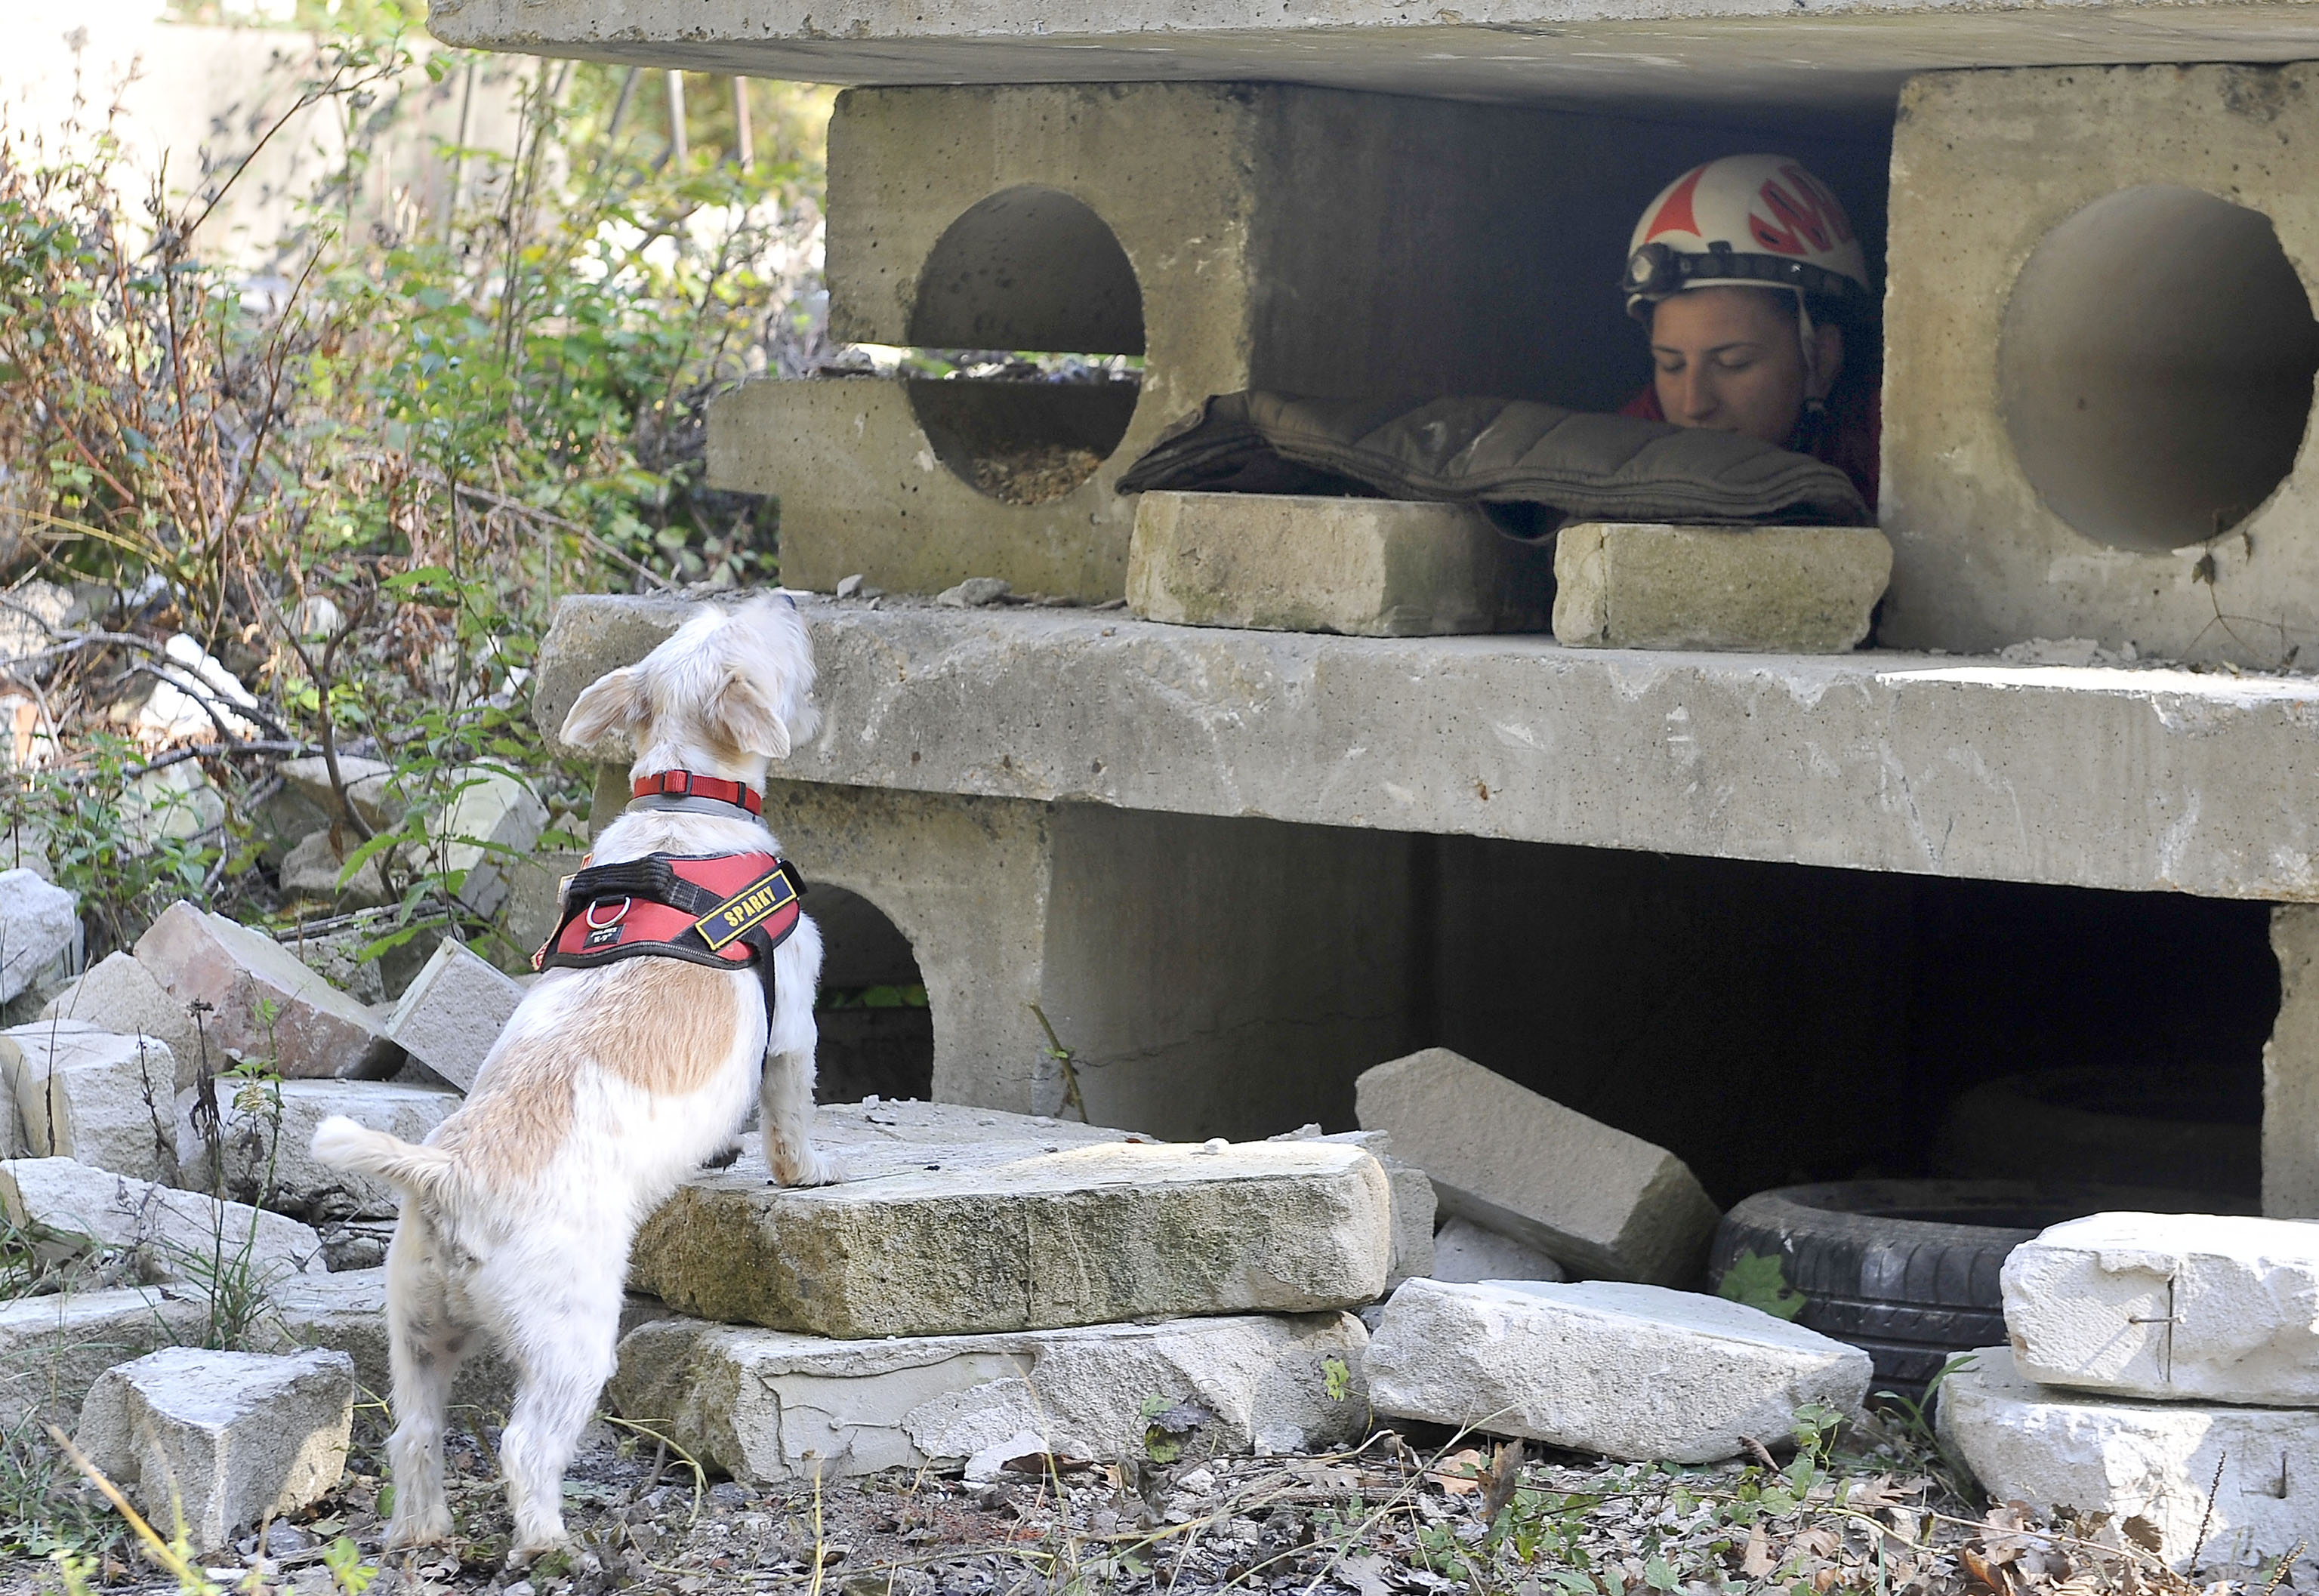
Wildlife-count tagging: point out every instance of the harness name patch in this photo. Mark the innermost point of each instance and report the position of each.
(753, 904)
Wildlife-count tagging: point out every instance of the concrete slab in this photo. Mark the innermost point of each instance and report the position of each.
(1361, 567)
(264, 1143)
(1600, 1202)
(121, 995)
(2016, 511)
(2177, 1307)
(1761, 589)
(175, 1235)
(924, 1239)
(87, 1094)
(52, 1349)
(2137, 780)
(1632, 1372)
(768, 1405)
(2234, 1484)
(316, 1030)
(1758, 60)
(226, 1440)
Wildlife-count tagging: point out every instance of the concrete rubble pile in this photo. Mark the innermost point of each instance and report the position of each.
(2162, 1366)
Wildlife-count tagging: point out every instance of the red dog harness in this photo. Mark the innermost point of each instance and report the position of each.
(726, 910)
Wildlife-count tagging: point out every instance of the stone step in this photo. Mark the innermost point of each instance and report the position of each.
(925, 1238)
(2232, 1485)
(1633, 1372)
(1599, 1200)
(175, 1235)
(2170, 1306)
(769, 1405)
(53, 1348)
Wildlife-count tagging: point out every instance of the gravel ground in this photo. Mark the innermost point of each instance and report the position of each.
(1416, 1511)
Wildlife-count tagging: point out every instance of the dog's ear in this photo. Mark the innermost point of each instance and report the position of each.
(612, 701)
(741, 714)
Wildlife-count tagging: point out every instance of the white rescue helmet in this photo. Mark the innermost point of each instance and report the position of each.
(1747, 222)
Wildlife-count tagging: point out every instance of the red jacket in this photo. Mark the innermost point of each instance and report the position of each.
(1850, 443)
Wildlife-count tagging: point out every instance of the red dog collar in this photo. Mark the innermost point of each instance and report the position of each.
(685, 784)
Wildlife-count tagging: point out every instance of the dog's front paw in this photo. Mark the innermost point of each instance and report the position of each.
(801, 1165)
(428, 1529)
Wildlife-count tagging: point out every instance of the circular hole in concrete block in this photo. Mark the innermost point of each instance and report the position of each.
(2155, 366)
(877, 1027)
(1030, 271)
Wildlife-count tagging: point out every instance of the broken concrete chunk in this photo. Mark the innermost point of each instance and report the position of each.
(2241, 1477)
(1757, 589)
(1633, 1372)
(40, 930)
(313, 869)
(452, 1014)
(316, 1030)
(769, 1405)
(120, 995)
(2171, 1306)
(52, 1349)
(264, 1133)
(1465, 1254)
(912, 1243)
(176, 1235)
(974, 593)
(1600, 1201)
(1361, 567)
(226, 1438)
(492, 820)
(85, 1094)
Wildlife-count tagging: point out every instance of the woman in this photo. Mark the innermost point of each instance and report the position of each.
(1746, 272)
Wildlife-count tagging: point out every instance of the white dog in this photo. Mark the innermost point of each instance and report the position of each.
(612, 1082)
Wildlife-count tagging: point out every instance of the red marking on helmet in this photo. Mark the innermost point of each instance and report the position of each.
(1676, 214)
(1804, 215)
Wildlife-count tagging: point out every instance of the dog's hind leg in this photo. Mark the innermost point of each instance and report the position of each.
(565, 1345)
(427, 1339)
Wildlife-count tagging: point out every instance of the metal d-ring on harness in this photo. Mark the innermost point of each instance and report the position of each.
(729, 911)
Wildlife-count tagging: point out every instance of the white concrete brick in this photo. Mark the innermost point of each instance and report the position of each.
(1600, 1201)
(2169, 1306)
(318, 1031)
(449, 1017)
(2250, 1476)
(85, 1094)
(769, 1405)
(227, 1438)
(121, 995)
(1633, 1372)
(1755, 589)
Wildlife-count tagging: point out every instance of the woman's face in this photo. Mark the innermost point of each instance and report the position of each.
(1728, 359)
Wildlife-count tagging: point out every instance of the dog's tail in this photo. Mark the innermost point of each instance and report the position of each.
(343, 1144)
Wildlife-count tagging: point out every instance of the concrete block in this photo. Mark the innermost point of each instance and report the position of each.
(175, 1235)
(448, 1017)
(1600, 1201)
(264, 1133)
(2073, 450)
(492, 819)
(224, 1440)
(1757, 589)
(2290, 1069)
(2247, 1477)
(913, 1244)
(52, 1349)
(1362, 567)
(1201, 225)
(122, 997)
(1413, 1204)
(1466, 1254)
(317, 1028)
(40, 930)
(313, 868)
(2169, 1306)
(769, 1405)
(85, 1094)
(1633, 1372)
